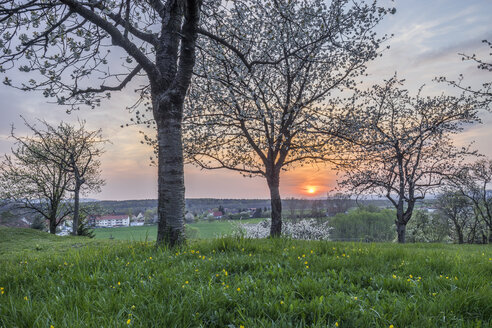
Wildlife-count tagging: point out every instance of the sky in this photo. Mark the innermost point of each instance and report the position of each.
(428, 36)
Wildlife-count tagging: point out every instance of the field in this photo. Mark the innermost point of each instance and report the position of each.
(201, 230)
(49, 281)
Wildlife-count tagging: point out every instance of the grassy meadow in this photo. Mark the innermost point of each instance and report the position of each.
(49, 281)
(199, 230)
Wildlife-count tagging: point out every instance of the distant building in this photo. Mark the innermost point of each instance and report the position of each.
(217, 215)
(137, 221)
(110, 221)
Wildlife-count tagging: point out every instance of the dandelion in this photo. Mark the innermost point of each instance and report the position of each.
(391, 326)
(129, 321)
(355, 298)
(133, 307)
(336, 324)
(216, 274)
(250, 254)
(150, 258)
(311, 251)
(306, 262)
(343, 254)
(186, 282)
(241, 326)
(238, 289)
(410, 276)
(307, 266)
(434, 294)
(51, 326)
(394, 276)
(225, 273)
(303, 255)
(25, 298)
(281, 302)
(119, 283)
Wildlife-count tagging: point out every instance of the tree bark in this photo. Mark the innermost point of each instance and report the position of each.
(76, 208)
(171, 189)
(52, 225)
(400, 230)
(276, 204)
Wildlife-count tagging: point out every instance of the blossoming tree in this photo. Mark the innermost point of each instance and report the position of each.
(262, 77)
(65, 47)
(401, 146)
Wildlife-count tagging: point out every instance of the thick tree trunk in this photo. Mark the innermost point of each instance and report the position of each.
(460, 234)
(171, 189)
(400, 230)
(276, 202)
(53, 225)
(76, 209)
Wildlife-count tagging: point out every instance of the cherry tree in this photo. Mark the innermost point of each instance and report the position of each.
(67, 47)
(75, 150)
(400, 145)
(261, 79)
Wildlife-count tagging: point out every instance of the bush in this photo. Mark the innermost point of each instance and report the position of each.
(304, 229)
(368, 224)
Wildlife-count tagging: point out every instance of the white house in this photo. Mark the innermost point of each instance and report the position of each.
(110, 221)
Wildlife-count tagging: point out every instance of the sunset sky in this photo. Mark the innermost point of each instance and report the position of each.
(428, 35)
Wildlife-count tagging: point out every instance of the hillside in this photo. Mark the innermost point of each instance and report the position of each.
(242, 283)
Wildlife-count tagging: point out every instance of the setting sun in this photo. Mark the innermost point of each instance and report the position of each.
(311, 190)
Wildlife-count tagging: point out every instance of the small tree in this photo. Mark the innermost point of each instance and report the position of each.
(400, 144)
(76, 150)
(30, 179)
(261, 80)
(472, 182)
(457, 209)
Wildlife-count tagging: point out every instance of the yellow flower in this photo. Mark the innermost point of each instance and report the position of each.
(281, 302)
(355, 298)
(311, 251)
(238, 289)
(306, 262)
(133, 307)
(394, 276)
(216, 274)
(25, 298)
(391, 326)
(150, 258)
(129, 321)
(336, 324)
(51, 326)
(303, 255)
(225, 273)
(186, 282)
(241, 326)
(411, 276)
(434, 294)
(307, 266)
(119, 283)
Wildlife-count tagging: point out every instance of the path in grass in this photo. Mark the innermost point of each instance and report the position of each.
(205, 230)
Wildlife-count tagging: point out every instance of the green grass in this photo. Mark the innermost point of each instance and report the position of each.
(231, 282)
(204, 230)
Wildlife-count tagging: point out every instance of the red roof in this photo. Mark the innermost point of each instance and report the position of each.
(111, 217)
(218, 213)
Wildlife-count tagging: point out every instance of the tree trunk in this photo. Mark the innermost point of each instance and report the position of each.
(171, 189)
(53, 225)
(276, 202)
(460, 234)
(400, 230)
(76, 207)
